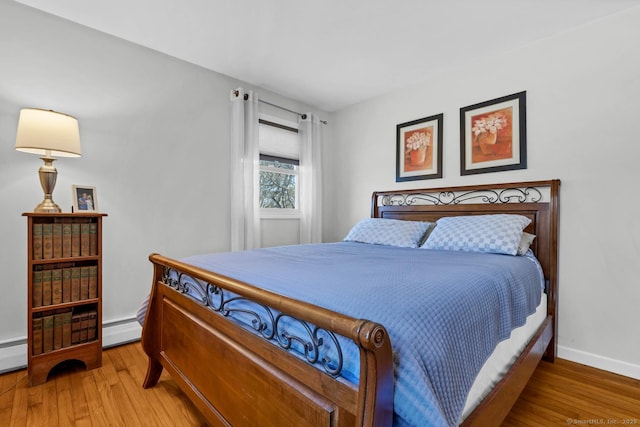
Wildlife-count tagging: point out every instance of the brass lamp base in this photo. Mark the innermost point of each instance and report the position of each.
(48, 206)
(48, 175)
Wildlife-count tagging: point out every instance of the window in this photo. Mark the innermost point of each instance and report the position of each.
(278, 183)
(279, 153)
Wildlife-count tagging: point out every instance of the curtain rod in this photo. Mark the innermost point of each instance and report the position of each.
(304, 116)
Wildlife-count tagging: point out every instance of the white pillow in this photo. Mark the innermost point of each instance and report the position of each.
(392, 232)
(525, 241)
(500, 233)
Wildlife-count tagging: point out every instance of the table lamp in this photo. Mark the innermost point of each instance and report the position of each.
(48, 133)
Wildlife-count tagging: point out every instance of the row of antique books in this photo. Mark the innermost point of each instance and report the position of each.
(53, 330)
(60, 285)
(73, 237)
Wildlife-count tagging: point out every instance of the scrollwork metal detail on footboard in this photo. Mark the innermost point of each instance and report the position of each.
(507, 195)
(265, 321)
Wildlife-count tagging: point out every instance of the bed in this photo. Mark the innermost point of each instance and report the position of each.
(273, 367)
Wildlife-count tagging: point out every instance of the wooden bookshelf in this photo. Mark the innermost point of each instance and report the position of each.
(64, 305)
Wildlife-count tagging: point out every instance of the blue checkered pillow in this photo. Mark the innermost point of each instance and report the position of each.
(498, 234)
(392, 232)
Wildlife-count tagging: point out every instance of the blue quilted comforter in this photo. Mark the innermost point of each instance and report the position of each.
(445, 311)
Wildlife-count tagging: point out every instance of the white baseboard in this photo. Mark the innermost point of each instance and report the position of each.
(600, 362)
(13, 354)
(121, 332)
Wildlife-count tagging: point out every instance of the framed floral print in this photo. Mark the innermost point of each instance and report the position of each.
(419, 149)
(493, 135)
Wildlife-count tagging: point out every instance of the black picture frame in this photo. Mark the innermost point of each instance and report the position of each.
(411, 163)
(493, 135)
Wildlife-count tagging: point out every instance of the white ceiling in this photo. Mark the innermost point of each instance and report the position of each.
(331, 53)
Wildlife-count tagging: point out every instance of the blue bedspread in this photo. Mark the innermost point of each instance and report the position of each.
(444, 311)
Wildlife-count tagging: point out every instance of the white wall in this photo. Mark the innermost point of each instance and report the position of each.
(154, 133)
(582, 89)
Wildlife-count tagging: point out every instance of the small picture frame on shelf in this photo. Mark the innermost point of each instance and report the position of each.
(85, 198)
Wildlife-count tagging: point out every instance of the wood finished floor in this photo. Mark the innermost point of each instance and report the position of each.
(567, 393)
(558, 394)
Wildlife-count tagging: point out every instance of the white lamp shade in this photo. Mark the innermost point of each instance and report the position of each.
(40, 131)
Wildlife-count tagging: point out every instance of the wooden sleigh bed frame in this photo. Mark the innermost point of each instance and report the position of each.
(237, 377)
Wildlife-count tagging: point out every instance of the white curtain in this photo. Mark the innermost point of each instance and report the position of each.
(310, 185)
(245, 155)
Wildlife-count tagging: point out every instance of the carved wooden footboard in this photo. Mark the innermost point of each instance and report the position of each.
(238, 377)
